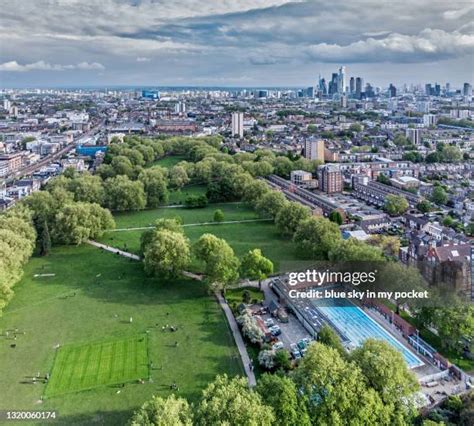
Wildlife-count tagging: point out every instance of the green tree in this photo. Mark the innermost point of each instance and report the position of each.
(155, 186)
(424, 206)
(336, 217)
(171, 411)
(451, 153)
(433, 157)
(221, 263)
(280, 393)
(178, 177)
(77, 222)
(45, 239)
(327, 336)
(290, 216)
(353, 250)
(19, 220)
(87, 188)
(196, 201)
(256, 266)
(355, 127)
(439, 195)
(218, 215)
(122, 194)
(316, 237)
(282, 360)
(230, 402)
(258, 168)
(271, 203)
(121, 165)
(282, 166)
(383, 179)
(401, 140)
(334, 390)
(167, 254)
(390, 245)
(395, 205)
(454, 323)
(254, 191)
(17, 249)
(42, 205)
(386, 372)
(173, 225)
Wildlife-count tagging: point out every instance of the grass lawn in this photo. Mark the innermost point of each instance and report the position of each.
(86, 366)
(234, 295)
(91, 299)
(242, 237)
(178, 197)
(169, 161)
(232, 211)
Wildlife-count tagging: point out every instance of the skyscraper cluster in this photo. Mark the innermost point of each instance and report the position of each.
(337, 86)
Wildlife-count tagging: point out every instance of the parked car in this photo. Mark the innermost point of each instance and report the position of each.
(269, 322)
(275, 330)
(277, 346)
(296, 354)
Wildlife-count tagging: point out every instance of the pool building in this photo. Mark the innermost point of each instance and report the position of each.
(351, 322)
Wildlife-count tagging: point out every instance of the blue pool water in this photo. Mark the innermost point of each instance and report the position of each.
(357, 326)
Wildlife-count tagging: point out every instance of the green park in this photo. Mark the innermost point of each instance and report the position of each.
(82, 299)
(92, 331)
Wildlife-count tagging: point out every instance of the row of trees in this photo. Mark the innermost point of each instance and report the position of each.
(59, 219)
(17, 241)
(132, 161)
(371, 386)
(167, 252)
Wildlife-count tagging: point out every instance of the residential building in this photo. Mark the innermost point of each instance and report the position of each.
(238, 124)
(414, 136)
(314, 149)
(330, 179)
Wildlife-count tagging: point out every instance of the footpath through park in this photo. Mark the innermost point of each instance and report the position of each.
(225, 222)
(239, 341)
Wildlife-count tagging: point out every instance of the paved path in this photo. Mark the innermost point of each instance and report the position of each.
(140, 228)
(238, 340)
(225, 307)
(113, 250)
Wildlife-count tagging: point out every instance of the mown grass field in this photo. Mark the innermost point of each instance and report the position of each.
(90, 299)
(232, 211)
(87, 366)
(241, 236)
(169, 161)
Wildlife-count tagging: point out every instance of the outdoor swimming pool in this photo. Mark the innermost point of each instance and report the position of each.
(357, 326)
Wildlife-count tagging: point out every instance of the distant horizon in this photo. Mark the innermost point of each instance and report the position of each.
(223, 87)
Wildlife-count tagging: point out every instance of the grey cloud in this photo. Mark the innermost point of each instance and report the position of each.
(14, 66)
(184, 40)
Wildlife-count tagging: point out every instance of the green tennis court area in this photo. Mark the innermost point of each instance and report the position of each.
(86, 366)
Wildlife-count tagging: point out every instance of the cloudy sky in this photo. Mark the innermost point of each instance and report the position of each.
(233, 42)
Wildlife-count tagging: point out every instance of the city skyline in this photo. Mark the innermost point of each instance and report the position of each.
(54, 43)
